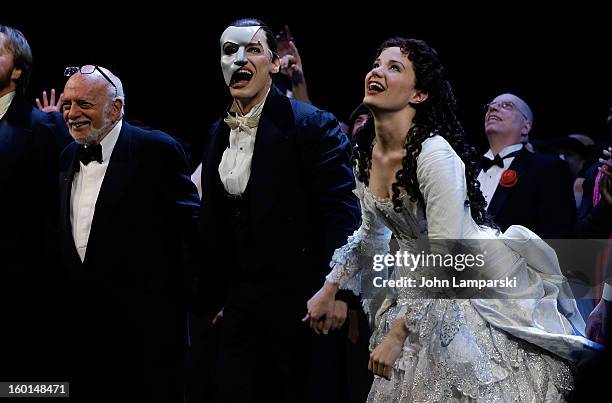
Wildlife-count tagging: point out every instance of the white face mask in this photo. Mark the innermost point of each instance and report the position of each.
(240, 36)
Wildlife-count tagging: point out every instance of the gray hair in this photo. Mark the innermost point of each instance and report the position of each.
(111, 90)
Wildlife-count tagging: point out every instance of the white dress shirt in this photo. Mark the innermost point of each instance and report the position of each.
(490, 179)
(5, 103)
(235, 165)
(86, 186)
(607, 292)
(196, 178)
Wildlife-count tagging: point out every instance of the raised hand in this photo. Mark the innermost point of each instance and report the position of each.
(49, 105)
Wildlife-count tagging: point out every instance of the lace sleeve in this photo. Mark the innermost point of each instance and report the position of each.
(371, 238)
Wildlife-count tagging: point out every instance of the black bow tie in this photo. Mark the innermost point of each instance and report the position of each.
(90, 153)
(486, 163)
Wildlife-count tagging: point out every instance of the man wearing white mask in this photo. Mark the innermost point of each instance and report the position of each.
(277, 201)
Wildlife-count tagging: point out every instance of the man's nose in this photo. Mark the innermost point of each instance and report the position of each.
(241, 59)
(493, 106)
(73, 111)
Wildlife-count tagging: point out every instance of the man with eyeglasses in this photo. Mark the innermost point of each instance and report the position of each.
(522, 187)
(30, 144)
(277, 201)
(127, 210)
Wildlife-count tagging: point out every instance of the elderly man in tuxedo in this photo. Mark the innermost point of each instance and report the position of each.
(522, 187)
(128, 212)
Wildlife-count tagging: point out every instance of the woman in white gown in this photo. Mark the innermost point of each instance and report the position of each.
(512, 344)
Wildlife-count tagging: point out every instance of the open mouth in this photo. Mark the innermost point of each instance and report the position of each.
(78, 125)
(241, 77)
(373, 86)
(493, 118)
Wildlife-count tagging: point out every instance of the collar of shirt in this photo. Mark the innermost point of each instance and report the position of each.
(503, 153)
(5, 103)
(253, 115)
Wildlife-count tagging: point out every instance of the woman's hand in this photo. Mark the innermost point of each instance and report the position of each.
(321, 308)
(384, 356)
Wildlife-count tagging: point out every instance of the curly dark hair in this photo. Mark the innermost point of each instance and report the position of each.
(435, 115)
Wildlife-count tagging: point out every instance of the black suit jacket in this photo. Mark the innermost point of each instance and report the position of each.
(542, 199)
(127, 295)
(301, 205)
(30, 145)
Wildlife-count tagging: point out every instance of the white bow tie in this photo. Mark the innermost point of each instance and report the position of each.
(246, 123)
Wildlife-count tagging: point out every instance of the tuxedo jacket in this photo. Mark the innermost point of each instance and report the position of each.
(541, 200)
(30, 145)
(127, 297)
(300, 202)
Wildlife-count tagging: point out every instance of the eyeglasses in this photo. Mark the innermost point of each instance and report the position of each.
(505, 105)
(88, 69)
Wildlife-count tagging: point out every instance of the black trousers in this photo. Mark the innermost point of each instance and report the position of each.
(267, 354)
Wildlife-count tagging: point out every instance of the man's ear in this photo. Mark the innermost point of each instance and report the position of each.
(117, 108)
(526, 128)
(418, 97)
(276, 62)
(16, 74)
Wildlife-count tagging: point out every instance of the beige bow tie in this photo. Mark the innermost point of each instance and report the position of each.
(243, 122)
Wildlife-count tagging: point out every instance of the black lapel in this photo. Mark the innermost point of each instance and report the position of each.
(118, 176)
(66, 176)
(15, 131)
(267, 165)
(212, 159)
(520, 165)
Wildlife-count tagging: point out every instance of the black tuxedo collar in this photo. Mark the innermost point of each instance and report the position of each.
(277, 107)
(276, 120)
(117, 178)
(520, 165)
(277, 114)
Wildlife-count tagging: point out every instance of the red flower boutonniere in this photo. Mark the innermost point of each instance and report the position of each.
(509, 178)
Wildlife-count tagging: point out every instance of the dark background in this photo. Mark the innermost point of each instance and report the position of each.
(558, 60)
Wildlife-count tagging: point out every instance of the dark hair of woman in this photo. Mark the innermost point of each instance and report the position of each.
(436, 115)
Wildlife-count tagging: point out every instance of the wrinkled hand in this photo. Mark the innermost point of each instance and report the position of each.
(49, 105)
(321, 309)
(597, 320)
(384, 356)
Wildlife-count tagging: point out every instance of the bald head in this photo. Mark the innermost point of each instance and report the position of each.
(104, 77)
(519, 103)
(508, 121)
